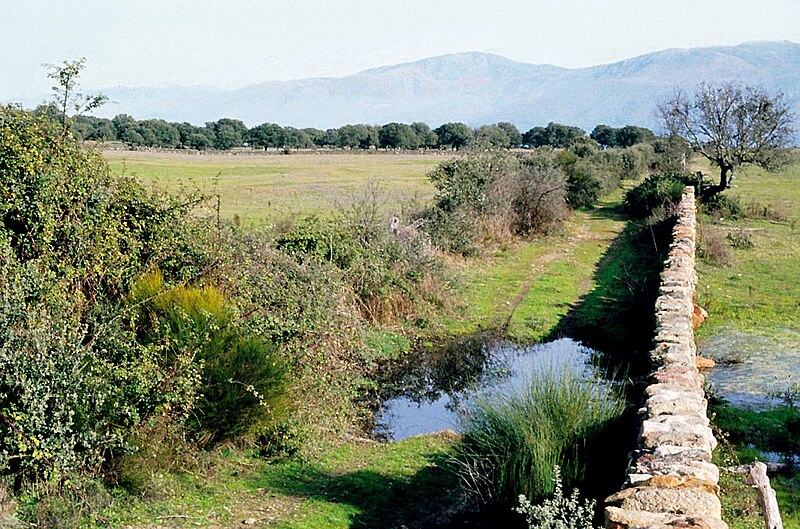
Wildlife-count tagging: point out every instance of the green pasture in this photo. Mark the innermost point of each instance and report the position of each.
(757, 293)
(261, 187)
(359, 484)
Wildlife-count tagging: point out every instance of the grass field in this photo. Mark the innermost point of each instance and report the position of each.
(261, 187)
(757, 294)
(759, 291)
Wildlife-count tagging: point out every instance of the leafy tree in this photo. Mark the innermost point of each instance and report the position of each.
(266, 135)
(397, 136)
(125, 128)
(316, 136)
(513, 133)
(228, 133)
(630, 135)
(731, 125)
(159, 133)
(494, 136)
(330, 138)
(535, 137)
(296, 138)
(554, 135)
(199, 141)
(453, 135)
(102, 130)
(604, 135)
(426, 137)
(357, 136)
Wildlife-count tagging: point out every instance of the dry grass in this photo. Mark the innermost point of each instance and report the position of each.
(258, 187)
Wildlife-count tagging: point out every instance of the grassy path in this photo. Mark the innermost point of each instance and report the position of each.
(522, 293)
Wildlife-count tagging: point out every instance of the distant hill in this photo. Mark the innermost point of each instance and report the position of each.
(477, 88)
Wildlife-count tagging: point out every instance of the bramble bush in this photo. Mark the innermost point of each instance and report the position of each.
(72, 237)
(389, 274)
(657, 193)
(493, 196)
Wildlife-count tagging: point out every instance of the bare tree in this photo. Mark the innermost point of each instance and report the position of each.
(731, 125)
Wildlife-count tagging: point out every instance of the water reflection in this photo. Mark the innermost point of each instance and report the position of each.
(430, 391)
(749, 367)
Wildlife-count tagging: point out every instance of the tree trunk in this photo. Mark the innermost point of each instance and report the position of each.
(724, 182)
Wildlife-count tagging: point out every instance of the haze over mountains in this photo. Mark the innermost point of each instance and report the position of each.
(477, 88)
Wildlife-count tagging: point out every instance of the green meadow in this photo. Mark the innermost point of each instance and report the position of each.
(755, 293)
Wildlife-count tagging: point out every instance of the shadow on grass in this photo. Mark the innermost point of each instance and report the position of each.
(368, 498)
(617, 317)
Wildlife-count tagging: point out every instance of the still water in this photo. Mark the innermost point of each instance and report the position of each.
(431, 391)
(751, 368)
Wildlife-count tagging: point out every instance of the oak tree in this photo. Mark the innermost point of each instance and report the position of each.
(731, 125)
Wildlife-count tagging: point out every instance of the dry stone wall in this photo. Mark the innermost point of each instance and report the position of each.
(671, 482)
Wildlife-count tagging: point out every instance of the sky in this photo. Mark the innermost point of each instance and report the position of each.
(234, 43)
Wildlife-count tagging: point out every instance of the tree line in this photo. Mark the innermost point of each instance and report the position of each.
(227, 133)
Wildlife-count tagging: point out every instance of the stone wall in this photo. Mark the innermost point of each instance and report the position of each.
(671, 481)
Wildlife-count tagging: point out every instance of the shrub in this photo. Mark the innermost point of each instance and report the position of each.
(583, 186)
(72, 377)
(388, 272)
(670, 155)
(513, 440)
(754, 210)
(558, 512)
(540, 203)
(54, 396)
(658, 191)
(712, 247)
(634, 161)
(494, 196)
(307, 308)
(740, 239)
(720, 205)
(242, 379)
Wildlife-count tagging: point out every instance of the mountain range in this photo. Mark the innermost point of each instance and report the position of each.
(477, 88)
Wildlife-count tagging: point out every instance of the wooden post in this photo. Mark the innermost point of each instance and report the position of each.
(766, 496)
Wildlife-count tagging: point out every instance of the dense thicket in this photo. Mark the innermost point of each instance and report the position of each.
(73, 376)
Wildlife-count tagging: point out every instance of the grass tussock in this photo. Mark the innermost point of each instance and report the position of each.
(513, 440)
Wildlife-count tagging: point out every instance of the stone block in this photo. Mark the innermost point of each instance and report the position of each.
(675, 402)
(677, 431)
(679, 375)
(697, 502)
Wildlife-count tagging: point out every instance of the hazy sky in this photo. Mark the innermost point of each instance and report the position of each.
(237, 42)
